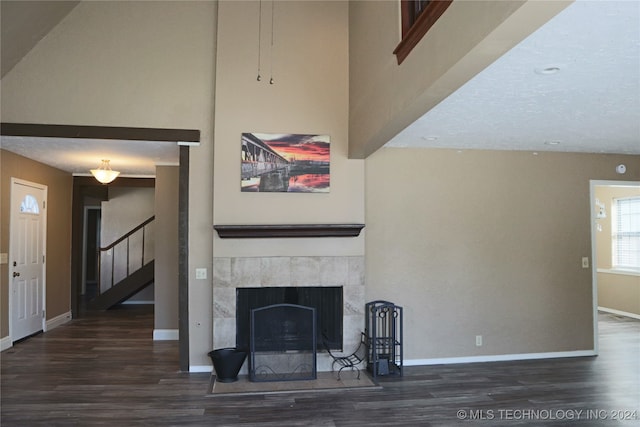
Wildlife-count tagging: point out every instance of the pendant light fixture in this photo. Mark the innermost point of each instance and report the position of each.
(104, 174)
(259, 38)
(271, 49)
(259, 77)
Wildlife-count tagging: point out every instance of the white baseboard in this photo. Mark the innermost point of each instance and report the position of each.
(57, 321)
(165, 335)
(5, 343)
(498, 358)
(201, 368)
(470, 359)
(619, 312)
(50, 324)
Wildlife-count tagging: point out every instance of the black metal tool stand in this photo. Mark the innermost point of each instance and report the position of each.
(383, 330)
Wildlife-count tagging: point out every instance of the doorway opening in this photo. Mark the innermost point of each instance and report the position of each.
(616, 289)
(90, 247)
(183, 138)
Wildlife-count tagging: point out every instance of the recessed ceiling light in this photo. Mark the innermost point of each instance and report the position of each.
(551, 69)
(552, 142)
(430, 138)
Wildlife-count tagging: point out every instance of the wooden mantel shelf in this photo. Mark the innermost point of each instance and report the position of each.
(288, 230)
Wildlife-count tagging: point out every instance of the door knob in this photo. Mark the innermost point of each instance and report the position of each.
(16, 274)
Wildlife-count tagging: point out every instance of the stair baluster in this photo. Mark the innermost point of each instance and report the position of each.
(125, 238)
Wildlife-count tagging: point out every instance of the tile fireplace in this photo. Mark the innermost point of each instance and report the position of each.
(231, 273)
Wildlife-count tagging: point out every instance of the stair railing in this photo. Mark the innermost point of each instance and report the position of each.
(125, 240)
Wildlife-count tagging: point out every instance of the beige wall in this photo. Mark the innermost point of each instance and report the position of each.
(139, 64)
(616, 291)
(619, 292)
(484, 243)
(385, 97)
(58, 263)
(166, 266)
(310, 95)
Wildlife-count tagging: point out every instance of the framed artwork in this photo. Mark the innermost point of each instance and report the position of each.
(285, 163)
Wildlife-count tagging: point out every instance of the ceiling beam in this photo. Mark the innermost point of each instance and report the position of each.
(99, 132)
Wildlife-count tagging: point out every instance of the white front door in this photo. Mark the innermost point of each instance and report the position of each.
(26, 258)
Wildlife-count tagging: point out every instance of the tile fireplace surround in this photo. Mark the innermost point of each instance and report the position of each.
(245, 272)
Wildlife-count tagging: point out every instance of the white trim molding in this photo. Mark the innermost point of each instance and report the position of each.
(57, 321)
(499, 358)
(166, 335)
(5, 343)
(619, 312)
(201, 368)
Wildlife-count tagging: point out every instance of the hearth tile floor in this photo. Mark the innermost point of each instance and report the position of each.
(326, 381)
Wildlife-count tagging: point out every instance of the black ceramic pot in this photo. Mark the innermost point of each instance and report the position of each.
(227, 363)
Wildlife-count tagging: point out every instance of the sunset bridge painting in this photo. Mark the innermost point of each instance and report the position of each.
(293, 163)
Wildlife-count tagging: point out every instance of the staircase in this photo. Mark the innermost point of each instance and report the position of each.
(134, 281)
(124, 289)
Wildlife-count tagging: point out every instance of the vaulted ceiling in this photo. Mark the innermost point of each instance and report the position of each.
(573, 85)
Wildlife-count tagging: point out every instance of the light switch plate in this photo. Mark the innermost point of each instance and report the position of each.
(4, 258)
(201, 273)
(585, 262)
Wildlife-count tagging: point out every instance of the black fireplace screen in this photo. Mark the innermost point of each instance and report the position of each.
(283, 343)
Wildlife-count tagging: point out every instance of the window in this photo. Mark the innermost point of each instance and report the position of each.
(418, 16)
(626, 233)
(410, 12)
(29, 205)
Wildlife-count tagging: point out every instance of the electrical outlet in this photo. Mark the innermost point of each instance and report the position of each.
(201, 273)
(478, 340)
(585, 262)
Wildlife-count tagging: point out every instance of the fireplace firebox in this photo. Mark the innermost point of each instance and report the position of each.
(326, 300)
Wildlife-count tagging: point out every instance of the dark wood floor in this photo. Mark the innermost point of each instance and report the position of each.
(104, 369)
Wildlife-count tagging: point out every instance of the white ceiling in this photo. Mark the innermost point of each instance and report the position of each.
(78, 156)
(592, 104)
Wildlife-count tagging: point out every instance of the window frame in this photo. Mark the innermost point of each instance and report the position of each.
(631, 233)
(414, 28)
